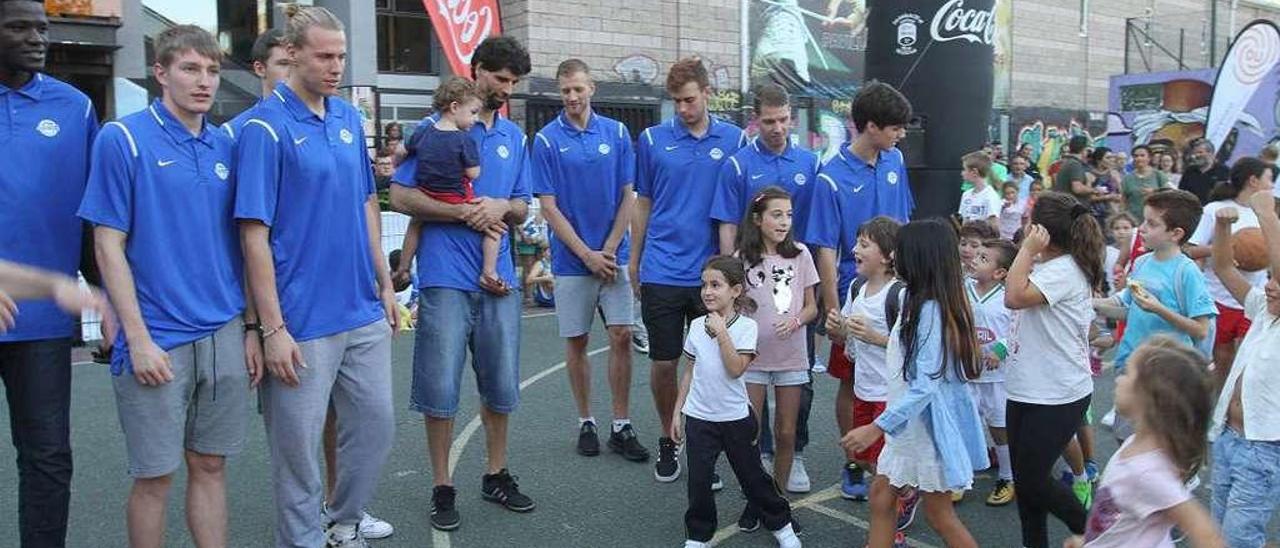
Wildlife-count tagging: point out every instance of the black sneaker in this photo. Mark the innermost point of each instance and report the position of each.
(588, 441)
(749, 521)
(667, 468)
(625, 443)
(716, 483)
(444, 516)
(502, 489)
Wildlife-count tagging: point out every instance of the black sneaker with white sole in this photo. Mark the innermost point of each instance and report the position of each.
(667, 468)
(749, 521)
(501, 488)
(625, 443)
(444, 515)
(588, 441)
(716, 483)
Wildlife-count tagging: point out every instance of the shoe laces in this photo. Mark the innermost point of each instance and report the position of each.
(507, 482)
(443, 498)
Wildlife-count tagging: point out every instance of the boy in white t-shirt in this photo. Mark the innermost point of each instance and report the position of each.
(993, 320)
(1246, 420)
(980, 203)
(866, 319)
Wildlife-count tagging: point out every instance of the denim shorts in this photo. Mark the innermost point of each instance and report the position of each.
(1246, 487)
(451, 322)
(777, 378)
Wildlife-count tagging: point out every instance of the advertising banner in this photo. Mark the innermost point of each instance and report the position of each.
(461, 25)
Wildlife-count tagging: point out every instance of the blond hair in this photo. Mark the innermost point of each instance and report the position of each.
(979, 161)
(303, 18)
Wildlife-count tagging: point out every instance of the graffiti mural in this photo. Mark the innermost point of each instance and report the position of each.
(1048, 134)
(1171, 108)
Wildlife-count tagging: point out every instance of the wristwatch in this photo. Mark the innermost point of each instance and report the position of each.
(253, 327)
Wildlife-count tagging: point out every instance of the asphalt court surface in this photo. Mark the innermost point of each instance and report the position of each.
(600, 501)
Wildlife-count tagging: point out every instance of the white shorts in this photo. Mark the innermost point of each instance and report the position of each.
(991, 398)
(580, 298)
(777, 378)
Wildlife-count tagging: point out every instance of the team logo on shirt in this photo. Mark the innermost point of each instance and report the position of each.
(221, 171)
(503, 152)
(716, 154)
(346, 136)
(48, 128)
(892, 177)
(800, 179)
(603, 148)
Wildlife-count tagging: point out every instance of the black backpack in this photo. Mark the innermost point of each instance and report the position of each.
(892, 304)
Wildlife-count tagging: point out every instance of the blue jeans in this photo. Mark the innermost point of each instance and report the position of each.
(1246, 487)
(450, 323)
(37, 382)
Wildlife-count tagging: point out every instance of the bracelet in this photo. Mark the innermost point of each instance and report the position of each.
(271, 332)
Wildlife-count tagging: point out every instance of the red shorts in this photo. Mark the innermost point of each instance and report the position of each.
(450, 197)
(1232, 325)
(838, 365)
(864, 413)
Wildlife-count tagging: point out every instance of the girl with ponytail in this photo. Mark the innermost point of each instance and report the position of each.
(1052, 282)
(714, 406)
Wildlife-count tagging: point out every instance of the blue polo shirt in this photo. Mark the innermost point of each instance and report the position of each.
(755, 167)
(678, 172)
(850, 192)
(588, 172)
(308, 179)
(450, 255)
(232, 127)
(46, 130)
(171, 193)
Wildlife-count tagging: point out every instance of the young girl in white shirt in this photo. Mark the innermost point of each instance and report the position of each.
(717, 415)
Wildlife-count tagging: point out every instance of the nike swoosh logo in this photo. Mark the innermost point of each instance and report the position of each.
(754, 177)
(858, 189)
(565, 149)
(671, 148)
(163, 163)
(299, 141)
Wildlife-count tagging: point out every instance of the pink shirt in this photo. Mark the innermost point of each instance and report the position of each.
(1128, 507)
(778, 284)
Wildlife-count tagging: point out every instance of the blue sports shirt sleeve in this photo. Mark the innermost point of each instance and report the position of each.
(543, 166)
(108, 194)
(644, 171)
(524, 179)
(822, 226)
(627, 165)
(257, 172)
(727, 201)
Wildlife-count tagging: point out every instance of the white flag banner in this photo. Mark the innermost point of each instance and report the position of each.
(1253, 55)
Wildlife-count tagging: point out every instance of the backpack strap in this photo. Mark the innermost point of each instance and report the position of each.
(893, 304)
(854, 287)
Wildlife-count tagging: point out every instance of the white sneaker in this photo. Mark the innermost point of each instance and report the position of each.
(695, 544)
(798, 482)
(372, 527)
(786, 537)
(819, 366)
(344, 536)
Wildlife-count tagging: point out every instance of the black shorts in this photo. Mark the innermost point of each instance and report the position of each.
(667, 310)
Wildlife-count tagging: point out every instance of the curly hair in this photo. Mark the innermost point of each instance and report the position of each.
(496, 53)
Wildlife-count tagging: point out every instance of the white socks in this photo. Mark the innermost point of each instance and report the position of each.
(786, 537)
(1004, 462)
(585, 420)
(695, 544)
(618, 424)
(1079, 478)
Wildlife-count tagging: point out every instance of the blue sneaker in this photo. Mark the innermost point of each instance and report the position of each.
(1068, 479)
(853, 486)
(1091, 470)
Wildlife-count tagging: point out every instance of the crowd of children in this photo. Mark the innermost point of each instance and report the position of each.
(990, 329)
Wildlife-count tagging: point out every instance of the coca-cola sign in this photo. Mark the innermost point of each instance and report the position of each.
(955, 22)
(460, 26)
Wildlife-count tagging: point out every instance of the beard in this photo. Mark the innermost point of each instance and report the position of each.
(493, 102)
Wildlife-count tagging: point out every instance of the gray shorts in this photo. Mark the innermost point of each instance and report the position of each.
(578, 298)
(205, 408)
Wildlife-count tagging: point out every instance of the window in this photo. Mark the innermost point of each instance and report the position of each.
(404, 38)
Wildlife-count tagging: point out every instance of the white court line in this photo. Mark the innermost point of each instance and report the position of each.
(814, 502)
(537, 315)
(440, 539)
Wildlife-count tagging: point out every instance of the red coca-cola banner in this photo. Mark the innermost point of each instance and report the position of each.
(460, 26)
